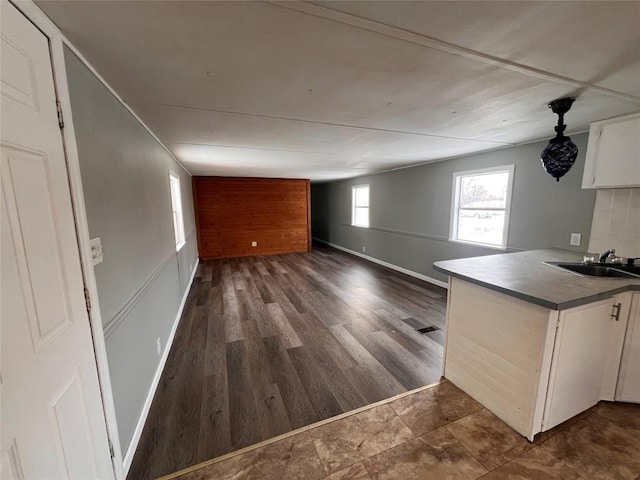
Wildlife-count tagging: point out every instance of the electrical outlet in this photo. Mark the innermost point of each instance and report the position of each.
(364, 249)
(254, 244)
(96, 250)
(159, 346)
(576, 238)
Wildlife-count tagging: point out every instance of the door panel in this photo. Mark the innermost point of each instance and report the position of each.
(579, 360)
(74, 433)
(10, 467)
(18, 74)
(52, 417)
(26, 181)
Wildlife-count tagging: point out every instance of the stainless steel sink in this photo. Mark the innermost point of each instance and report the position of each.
(600, 269)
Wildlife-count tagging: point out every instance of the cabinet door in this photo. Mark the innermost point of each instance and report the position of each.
(579, 359)
(613, 154)
(629, 378)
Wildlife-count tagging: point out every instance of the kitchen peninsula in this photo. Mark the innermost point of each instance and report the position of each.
(536, 344)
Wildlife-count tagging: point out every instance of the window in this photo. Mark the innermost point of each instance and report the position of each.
(480, 206)
(176, 208)
(360, 206)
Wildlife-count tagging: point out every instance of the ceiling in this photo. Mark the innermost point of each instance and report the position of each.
(330, 90)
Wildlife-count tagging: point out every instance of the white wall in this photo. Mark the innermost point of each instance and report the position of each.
(142, 280)
(411, 209)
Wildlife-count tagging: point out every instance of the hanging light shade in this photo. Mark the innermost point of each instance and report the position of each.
(560, 153)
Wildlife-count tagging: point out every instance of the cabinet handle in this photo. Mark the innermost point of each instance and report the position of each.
(616, 311)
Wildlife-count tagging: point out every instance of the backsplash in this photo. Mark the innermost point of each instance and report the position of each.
(616, 222)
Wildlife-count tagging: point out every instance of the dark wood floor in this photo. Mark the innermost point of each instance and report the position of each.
(270, 344)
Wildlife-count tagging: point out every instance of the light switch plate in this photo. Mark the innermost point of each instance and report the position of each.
(576, 238)
(96, 250)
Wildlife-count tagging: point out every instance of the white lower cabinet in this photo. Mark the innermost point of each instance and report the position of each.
(628, 389)
(579, 361)
(534, 367)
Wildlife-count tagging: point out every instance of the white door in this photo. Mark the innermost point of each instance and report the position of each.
(52, 419)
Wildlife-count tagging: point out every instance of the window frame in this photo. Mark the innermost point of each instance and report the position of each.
(177, 213)
(354, 188)
(455, 204)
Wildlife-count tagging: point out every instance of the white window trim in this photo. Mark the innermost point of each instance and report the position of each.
(177, 213)
(453, 225)
(353, 205)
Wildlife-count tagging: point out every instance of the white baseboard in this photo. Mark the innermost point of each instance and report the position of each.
(137, 433)
(411, 273)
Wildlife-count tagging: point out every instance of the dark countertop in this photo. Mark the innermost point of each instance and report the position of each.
(524, 275)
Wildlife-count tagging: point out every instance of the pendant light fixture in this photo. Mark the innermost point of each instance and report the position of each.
(560, 153)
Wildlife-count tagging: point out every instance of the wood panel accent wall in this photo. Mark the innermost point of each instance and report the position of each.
(233, 212)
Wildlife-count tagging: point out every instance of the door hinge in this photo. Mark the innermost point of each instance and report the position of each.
(60, 118)
(87, 299)
(111, 452)
(615, 314)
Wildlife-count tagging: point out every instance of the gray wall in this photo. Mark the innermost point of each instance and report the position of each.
(141, 282)
(410, 209)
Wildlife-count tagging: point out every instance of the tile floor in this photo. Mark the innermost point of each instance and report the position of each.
(441, 433)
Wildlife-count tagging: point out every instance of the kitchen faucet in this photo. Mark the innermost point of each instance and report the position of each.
(609, 253)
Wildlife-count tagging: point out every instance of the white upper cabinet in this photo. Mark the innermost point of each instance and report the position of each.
(613, 153)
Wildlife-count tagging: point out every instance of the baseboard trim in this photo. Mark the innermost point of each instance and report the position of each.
(406, 271)
(137, 433)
